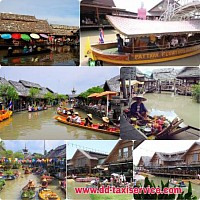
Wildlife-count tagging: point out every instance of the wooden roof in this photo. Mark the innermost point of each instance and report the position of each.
(59, 152)
(23, 24)
(189, 72)
(106, 3)
(63, 30)
(113, 84)
(145, 160)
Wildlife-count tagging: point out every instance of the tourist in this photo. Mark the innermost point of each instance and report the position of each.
(88, 120)
(101, 36)
(64, 111)
(30, 49)
(120, 43)
(77, 118)
(59, 109)
(105, 124)
(10, 51)
(138, 109)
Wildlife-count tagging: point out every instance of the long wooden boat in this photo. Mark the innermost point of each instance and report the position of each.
(37, 110)
(27, 171)
(177, 184)
(28, 54)
(28, 193)
(5, 115)
(135, 29)
(49, 178)
(87, 179)
(47, 194)
(9, 177)
(110, 131)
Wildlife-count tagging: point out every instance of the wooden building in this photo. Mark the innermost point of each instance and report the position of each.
(120, 159)
(144, 162)
(85, 162)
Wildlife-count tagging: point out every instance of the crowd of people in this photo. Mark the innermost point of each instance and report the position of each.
(36, 108)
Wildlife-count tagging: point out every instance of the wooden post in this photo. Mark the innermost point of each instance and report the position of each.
(97, 13)
(174, 86)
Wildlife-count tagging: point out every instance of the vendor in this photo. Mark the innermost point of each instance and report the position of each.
(88, 120)
(105, 124)
(138, 109)
(31, 184)
(69, 116)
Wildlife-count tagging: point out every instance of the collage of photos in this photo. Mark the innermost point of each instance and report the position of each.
(100, 100)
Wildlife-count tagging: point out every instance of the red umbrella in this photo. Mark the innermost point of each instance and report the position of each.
(16, 36)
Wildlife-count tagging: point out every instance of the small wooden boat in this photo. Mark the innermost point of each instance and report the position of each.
(48, 178)
(47, 194)
(9, 177)
(28, 193)
(94, 127)
(5, 115)
(176, 184)
(87, 179)
(27, 171)
(37, 110)
(28, 54)
(63, 185)
(139, 49)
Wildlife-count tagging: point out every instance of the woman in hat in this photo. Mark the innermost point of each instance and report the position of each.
(88, 120)
(105, 124)
(69, 116)
(77, 118)
(44, 183)
(138, 109)
(31, 184)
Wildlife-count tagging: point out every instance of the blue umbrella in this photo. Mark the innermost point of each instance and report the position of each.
(6, 36)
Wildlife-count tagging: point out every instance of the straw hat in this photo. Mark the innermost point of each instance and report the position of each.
(76, 113)
(139, 96)
(44, 179)
(90, 116)
(30, 181)
(105, 119)
(68, 113)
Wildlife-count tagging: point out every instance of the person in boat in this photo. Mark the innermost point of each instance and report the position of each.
(105, 124)
(10, 51)
(77, 118)
(25, 49)
(44, 183)
(120, 43)
(31, 184)
(64, 111)
(138, 109)
(71, 110)
(29, 108)
(88, 120)
(30, 49)
(69, 116)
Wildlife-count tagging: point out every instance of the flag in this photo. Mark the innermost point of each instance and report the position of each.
(101, 37)
(10, 105)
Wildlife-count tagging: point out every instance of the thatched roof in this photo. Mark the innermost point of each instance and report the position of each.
(59, 152)
(30, 84)
(63, 30)
(21, 89)
(164, 74)
(145, 160)
(3, 81)
(106, 3)
(23, 24)
(113, 84)
(189, 72)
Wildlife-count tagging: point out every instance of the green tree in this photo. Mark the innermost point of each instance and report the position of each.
(18, 154)
(61, 97)
(91, 91)
(7, 92)
(33, 92)
(196, 92)
(50, 97)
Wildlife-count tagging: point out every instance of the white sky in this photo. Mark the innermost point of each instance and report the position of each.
(133, 5)
(149, 147)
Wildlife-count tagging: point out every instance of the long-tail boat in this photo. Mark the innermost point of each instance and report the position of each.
(94, 127)
(148, 41)
(5, 114)
(47, 194)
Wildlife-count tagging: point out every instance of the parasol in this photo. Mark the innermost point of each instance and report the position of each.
(44, 36)
(25, 37)
(6, 36)
(35, 36)
(16, 36)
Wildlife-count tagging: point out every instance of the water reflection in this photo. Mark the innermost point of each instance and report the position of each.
(60, 55)
(42, 125)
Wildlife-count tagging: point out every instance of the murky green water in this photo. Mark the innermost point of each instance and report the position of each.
(174, 105)
(110, 36)
(61, 55)
(42, 125)
(12, 189)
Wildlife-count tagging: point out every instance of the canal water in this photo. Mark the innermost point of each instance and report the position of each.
(172, 105)
(42, 125)
(60, 55)
(110, 36)
(12, 189)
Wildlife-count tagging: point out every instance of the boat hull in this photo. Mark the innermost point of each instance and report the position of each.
(5, 116)
(43, 194)
(142, 58)
(63, 120)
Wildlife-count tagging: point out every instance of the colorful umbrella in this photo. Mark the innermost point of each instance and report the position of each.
(44, 36)
(6, 36)
(35, 36)
(25, 37)
(16, 36)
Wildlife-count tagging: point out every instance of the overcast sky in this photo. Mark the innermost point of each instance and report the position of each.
(100, 146)
(61, 79)
(149, 147)
(34, 146)
(63, 12)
